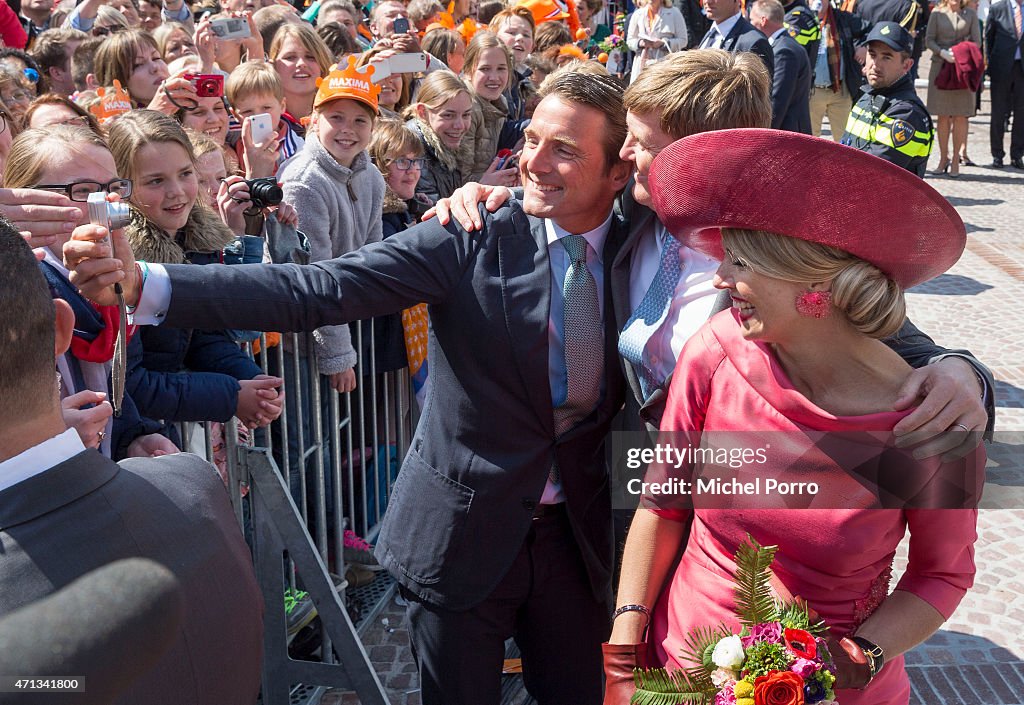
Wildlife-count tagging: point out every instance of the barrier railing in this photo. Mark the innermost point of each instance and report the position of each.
(325, 467)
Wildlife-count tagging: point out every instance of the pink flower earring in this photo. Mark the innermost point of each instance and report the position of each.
(814, 304)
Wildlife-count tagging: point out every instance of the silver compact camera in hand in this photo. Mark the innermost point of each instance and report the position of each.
(111, 215)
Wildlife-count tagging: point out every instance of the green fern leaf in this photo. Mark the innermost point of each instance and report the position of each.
(755, 603)
(700, 642)
(660, 687)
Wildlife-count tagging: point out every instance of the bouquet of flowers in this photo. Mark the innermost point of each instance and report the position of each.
(775, 660)
(613, 42)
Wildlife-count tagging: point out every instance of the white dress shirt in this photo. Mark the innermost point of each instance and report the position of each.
(40, 458)
(723, 28)
(691, 304)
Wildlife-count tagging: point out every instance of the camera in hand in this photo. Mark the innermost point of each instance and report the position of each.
(264, 192)
(208, 85)
(111, 215)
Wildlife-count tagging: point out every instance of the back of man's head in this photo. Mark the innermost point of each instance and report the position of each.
(703, 90)
(599, 92)
(26, 330)
(770, 10)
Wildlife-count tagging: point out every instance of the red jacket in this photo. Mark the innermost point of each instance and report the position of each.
(11, 32)
(965, 71)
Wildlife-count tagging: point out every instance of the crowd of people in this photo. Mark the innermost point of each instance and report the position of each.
(601, 189)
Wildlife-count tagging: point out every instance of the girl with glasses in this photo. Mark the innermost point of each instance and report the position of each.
(75, 161)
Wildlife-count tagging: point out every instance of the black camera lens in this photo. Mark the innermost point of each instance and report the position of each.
(264, 192)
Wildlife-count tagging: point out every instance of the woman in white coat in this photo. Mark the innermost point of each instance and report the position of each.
(655, 30)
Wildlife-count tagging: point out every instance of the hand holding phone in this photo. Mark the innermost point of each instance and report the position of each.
(261, 127)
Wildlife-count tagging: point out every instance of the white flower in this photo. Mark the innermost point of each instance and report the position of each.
(728, 653)
(723, 676)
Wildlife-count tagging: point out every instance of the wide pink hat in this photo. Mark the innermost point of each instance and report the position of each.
(808, 188)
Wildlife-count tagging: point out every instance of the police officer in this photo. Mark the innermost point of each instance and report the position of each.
(802, 24)
(889, 120)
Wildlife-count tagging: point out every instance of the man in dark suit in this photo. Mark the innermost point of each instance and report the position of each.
(499, 524)
(1004, 42)
(65, 511)
(731, 31)
(791, 82)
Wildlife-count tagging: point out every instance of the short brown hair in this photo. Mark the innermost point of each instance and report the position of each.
(550, 34)
(253, 77)
(88, 119)
(392, 139)
(703, 90)
(772, 9)
(83, 60)
(338, 39)
(602, 93)
(50, 49)
(441, 42)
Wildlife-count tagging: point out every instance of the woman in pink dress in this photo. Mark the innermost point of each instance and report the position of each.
(796, 369)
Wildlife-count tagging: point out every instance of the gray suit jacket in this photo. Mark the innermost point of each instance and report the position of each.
(89, 511)
(485, 444)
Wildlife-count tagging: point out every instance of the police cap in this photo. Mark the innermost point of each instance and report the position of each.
(893, 35)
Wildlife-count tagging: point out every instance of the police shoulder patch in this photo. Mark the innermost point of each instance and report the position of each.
(902, 132)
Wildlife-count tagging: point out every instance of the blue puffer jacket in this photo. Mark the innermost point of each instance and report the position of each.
(178, 374)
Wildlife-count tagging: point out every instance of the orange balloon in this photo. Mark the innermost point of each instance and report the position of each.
(581, 34)
(602, 57)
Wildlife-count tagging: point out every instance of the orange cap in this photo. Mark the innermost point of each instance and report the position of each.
(113, 102)
(544, 10)
(352, 83)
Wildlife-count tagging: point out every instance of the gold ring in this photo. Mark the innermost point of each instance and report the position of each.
(101, 435)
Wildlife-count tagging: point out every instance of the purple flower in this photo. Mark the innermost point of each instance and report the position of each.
(804, 668)
(814, 692)
(770, 632)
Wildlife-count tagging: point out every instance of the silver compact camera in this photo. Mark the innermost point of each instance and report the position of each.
(111, 215)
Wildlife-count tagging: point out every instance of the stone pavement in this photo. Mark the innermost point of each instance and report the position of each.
(977, 658)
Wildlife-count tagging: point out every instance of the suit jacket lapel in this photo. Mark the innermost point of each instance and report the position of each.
(526, 297)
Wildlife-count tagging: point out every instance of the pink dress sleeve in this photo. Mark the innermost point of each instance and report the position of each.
(688, 397)
(940, 568)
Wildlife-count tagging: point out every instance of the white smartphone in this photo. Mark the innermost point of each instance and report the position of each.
(230, 28)
(261, 127)
(414, 62)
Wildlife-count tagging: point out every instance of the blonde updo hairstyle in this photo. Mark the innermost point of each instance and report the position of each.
(872, 302)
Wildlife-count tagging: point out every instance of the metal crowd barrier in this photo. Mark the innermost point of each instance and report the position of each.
(356, 442)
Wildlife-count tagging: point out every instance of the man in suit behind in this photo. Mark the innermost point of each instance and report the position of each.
(1004, 42)
(499, 524)
(731, 31)
(65, 511)
(791, 82)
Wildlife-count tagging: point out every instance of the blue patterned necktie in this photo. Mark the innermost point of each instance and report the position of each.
(650, 314)
(583, 339)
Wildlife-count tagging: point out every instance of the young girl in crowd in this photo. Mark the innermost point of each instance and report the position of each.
(209, 117)
(300, 57)
(515, 28)
(174, 40)
(75, 161)
(133, 59)
(398, 154)
(440, 117)
(446, 45)
(488, 67)
(170, 225)
(337, 193)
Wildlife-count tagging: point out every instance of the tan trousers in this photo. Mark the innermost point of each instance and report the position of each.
(836, 105)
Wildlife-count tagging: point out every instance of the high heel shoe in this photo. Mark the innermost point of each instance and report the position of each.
(942, 168)
(966, 161)
(954, 168)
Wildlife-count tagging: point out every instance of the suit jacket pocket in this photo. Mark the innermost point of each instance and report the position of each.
(425, 519)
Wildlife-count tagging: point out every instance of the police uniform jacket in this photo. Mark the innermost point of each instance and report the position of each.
(802, 24)
(892, 123)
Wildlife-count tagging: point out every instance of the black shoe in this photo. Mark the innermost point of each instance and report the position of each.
(1017, 163)
(997, 163)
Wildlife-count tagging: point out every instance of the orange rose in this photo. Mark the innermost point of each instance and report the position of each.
(779, 688)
